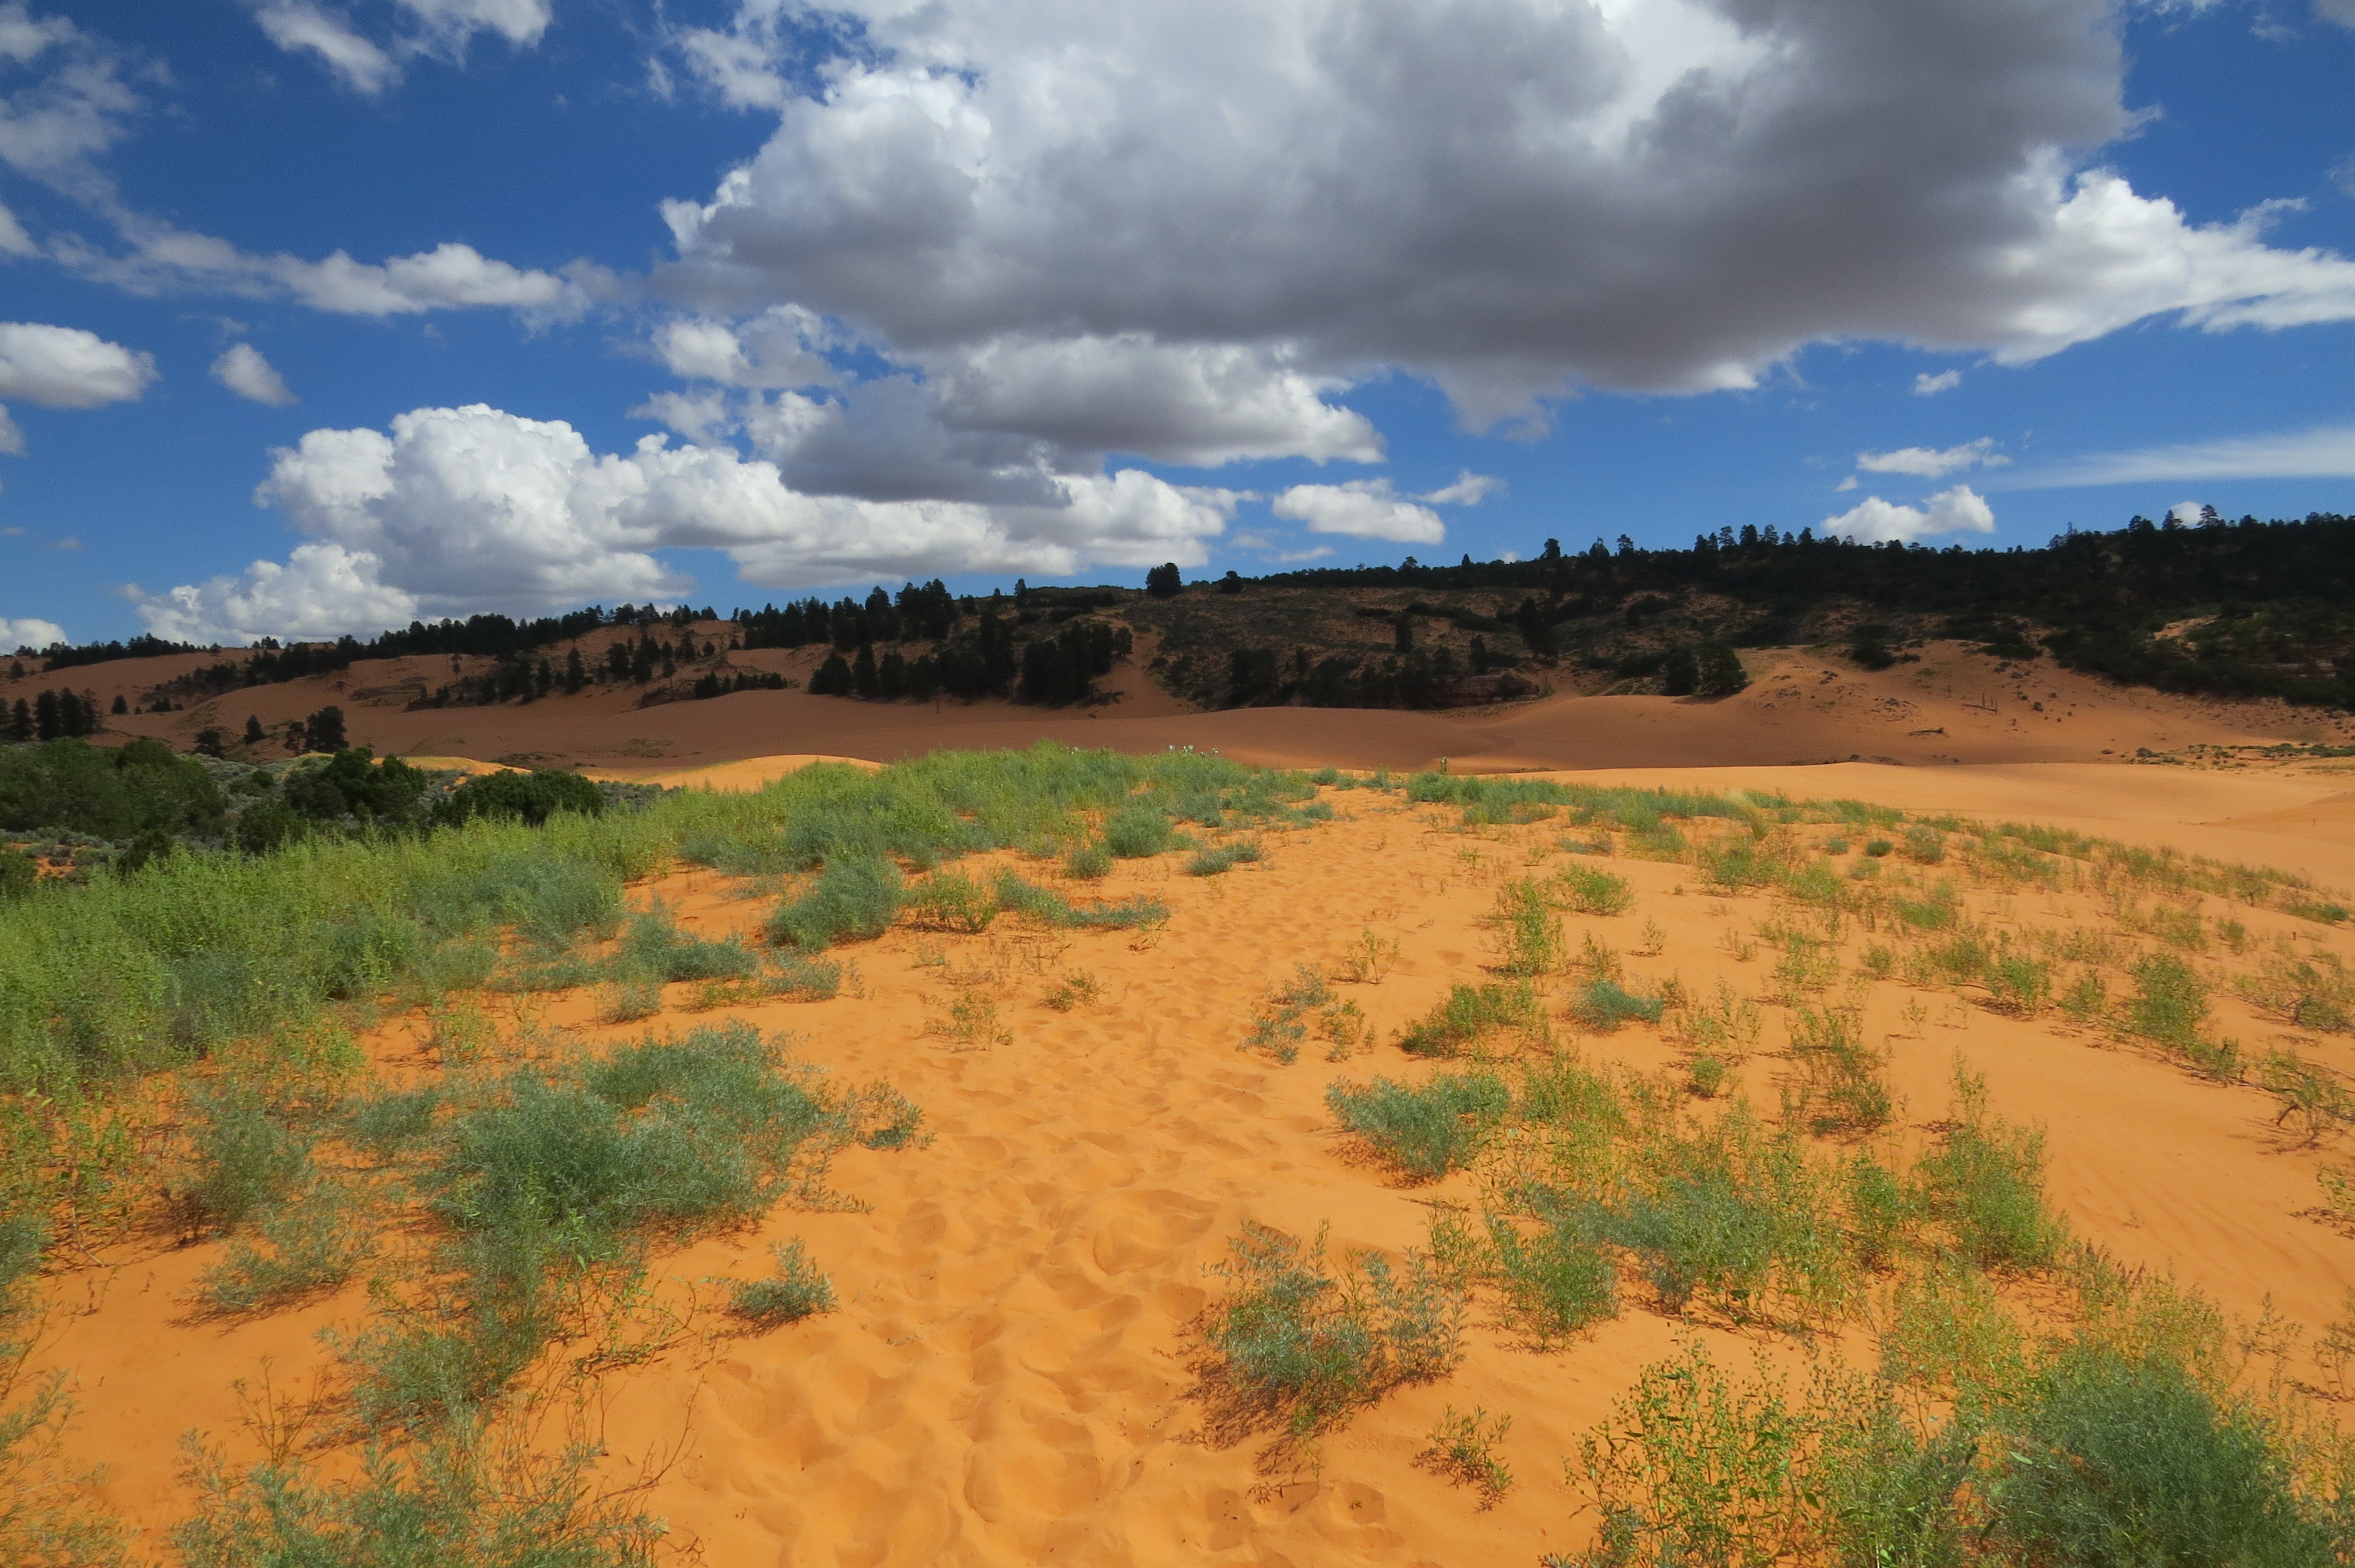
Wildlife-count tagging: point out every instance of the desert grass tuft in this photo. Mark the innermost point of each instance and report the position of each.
(795, 1291)
(1472, 1014)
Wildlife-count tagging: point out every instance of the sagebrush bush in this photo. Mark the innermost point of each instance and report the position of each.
(1223, 857)
(1088, 861)
(1426, 1132)
(950, 901)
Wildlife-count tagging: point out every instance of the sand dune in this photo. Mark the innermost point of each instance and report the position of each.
(1953, 706)
(1007, 1380)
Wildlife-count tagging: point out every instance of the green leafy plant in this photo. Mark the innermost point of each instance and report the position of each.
(1462, 1448)
(795, 1291)
(1425, 1132)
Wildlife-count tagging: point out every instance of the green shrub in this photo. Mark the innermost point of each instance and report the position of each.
(530, 797)
(1705, 1077)
(1299, 1347)
(850, 901)
(2019, 984)
(1462, 1448)
(1985, 1182)
(950, 901)
(1556, 1282)
(1877, 848)
(245, 1159)
(1924, 846)
(1605, 1005)
(2170, 1004)
(1472, 1014)
(314, 1245)
(1936, 913)
(17, 875)
(1088, 861)
(385, 1123)
(1425, 1132)
(1223, 857)
(1138, 833)
(1587, 890)
(2117, 1464)
(470, 1497)
(1530, 933)
(797, 1291)
(654, 950)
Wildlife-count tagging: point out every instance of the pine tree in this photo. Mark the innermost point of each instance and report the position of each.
(862, 672)
(254, 735)
(20, 721)
(575, 675)
(325, 729)
(121, 704)
(1163, 581)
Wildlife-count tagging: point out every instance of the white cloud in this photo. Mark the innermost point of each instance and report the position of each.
(295, 26)
(1469, 490)
(66, 367)
(2340, 11)
(29, 632)
(461, 509)
(1365, 508)
(2185, 511)
(79, 105)
(12, 436)
(442, 27)
(245, 372)
(1928, 463)
(1512, 198)
(2325, 451)
(13, 240)
(1928, 386)
(450, 276)
(1873, 521)
(322, 591)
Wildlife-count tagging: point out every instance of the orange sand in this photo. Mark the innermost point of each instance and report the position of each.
(1007, 1380)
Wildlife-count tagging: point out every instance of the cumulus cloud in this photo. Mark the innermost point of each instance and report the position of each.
(456, 510)
(440, 27)
(1512, 197)
(66, 367)
(2325, 451)
(1873, 521)
(1928, 386)
(2340, 11)
(245, 372)
(1365, 508)
(1928, 463)
(1370, 509)
(28, 631)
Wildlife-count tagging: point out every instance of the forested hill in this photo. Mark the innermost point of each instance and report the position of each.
(2245, 609)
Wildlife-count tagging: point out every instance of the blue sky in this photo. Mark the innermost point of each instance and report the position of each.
(315, 316)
